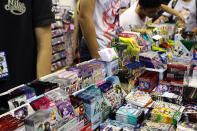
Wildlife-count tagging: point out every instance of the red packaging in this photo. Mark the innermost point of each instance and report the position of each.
(88, 127)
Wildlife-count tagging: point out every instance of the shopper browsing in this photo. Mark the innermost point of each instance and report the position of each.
(187, 8)
(98, 20)
(26, 40)
(139, 12)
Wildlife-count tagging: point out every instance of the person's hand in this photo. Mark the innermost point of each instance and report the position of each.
(157, 21)
(181, 18)
(194, 30)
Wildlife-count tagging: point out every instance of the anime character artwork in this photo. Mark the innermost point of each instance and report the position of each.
(21, 113)
(66, 110)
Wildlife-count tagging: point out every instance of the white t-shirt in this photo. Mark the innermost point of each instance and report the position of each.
(188, 10)
(125, 3)
(130, 18)
(133, 2)
(106, 21)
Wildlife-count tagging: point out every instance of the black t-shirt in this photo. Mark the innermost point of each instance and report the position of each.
(18, 18)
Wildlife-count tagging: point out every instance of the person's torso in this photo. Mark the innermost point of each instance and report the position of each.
(106, 20)
(188, 11)
(18, 41)
(130, 19)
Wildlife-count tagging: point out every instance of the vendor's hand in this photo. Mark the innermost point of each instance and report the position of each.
(181, 18)
(194, 30)
(157, 21)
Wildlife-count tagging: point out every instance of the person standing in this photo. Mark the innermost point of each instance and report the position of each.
(26, 40)
(98, 21)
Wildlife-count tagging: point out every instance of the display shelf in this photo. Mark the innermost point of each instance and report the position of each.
(161, 72)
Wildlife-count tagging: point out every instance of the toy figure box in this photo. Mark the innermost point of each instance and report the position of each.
(129, 115)
(93, 103)
(80, 109)
(148, 81)
(38, 121)
(10, 123)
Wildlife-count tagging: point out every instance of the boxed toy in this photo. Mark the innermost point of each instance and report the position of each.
(116, 125)
(22, 112)
(167, 97)
(42, 87)
(165, 112)
(42, 103)
(65, 109)
(148, 81)
(186, 126)
(129, 115)
(115, 81)
(78, 105)
(149, 125)
(93, 103)
(151, 60)
(38, 121)
(138, 98)
(68, 126)
(135, 69)
(190, 113)
(10, 123)
(164, 115)
(127, 48)
(112, 67)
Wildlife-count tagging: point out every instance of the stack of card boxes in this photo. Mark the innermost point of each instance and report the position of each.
(149, 125)
(102, 71)
(164, 115)
(151, 60)
(190, 113)
(148, 81)
(165, 112)
(113, 125)
(28, 91)
(167, 97)
(135, 68)
(112, 67)
(186, 126)
(84, 74)
(172, 86)
(190, 95)
(10, 123)
(41, 87)
(96, 73)
(176, 72)
(129, 115)
(165, 91)
(139, 98)
(70, 78)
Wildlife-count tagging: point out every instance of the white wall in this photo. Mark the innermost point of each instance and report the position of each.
(70, 3)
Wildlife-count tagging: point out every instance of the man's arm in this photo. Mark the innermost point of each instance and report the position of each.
(44, 49)
(170, 11)
(76, 35)
(87, 26)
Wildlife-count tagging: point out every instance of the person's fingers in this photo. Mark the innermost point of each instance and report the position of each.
(156, 21)
(194, 30)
